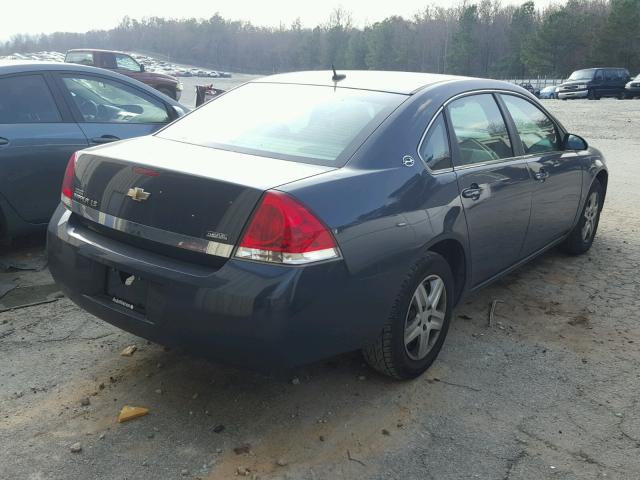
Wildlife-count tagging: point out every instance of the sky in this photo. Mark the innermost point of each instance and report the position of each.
(38, 16)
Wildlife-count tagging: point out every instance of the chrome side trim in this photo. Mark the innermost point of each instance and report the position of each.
(186, 242)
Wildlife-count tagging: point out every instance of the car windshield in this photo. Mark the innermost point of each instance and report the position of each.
(638, 77)
(582, 75)
(306, 123)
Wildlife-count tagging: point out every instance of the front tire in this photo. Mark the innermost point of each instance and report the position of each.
(418, 323)
(581, 237)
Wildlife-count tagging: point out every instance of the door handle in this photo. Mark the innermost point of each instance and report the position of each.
(104, 139)
(4, 141)
(541, 175)
(473, 192)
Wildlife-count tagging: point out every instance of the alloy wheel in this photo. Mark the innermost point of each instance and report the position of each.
(425, 317)
(590, 217)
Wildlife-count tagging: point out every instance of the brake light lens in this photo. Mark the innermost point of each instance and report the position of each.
(284, 231)
(67, 182)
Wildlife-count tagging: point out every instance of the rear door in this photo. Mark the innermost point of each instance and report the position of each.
(37, 137)
(108, 110)
(495, 185)
(557, 173)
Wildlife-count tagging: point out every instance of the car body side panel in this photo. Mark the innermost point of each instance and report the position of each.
(555, 199)
(32, 165)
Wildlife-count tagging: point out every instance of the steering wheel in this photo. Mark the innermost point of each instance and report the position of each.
(88, 108)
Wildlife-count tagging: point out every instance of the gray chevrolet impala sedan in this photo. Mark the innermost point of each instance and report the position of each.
(307, 214)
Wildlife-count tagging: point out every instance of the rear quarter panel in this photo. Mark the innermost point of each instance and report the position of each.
(385, 215)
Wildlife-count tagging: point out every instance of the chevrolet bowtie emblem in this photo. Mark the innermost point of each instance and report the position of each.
(138, 194)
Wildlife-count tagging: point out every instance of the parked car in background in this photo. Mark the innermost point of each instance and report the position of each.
(307, 214)
(125, 64)
(530, 88)
(49, 110)
(632, 89)
(548, 92)
(595, 83)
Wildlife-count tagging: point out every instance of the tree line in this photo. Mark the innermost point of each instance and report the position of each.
(484, 38)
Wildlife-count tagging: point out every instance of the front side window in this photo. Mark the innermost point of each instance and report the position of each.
(27, 99)
(105, 101)
(125, 62)
(535, 129)
(434, 149)
(304, 123)
(479, 129)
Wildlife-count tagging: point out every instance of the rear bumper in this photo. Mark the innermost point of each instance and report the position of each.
(243, 313)
(573, 94)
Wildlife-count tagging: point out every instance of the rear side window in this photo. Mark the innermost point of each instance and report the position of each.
(27, 99)
(434, 149)
(536, 130)
(479, 129)
(83, 58)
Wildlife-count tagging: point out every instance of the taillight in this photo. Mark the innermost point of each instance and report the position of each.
(284, 231)
(67, 182)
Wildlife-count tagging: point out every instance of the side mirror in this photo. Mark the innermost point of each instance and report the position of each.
(575, 142)
(141, 68)
(179, 111)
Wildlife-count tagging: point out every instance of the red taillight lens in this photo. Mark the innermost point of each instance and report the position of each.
(284, 231)
(67, 182)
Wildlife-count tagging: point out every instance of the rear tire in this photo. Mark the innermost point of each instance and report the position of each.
(581, 237)
(418, 323)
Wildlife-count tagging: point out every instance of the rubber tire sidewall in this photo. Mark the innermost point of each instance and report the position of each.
(574, 244)
(430, 264)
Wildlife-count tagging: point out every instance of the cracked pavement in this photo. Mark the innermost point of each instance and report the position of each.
(550, 391)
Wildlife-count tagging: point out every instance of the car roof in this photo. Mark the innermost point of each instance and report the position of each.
(20, 66)
(383, 81)
(8, 67)
(95, 50)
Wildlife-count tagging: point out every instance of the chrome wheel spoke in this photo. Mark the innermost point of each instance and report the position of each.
(424, 346)
(421, 298)
(412, 331)
(436, 321)
(437, 287)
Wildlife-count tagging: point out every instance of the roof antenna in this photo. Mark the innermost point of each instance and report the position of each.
(337, 77)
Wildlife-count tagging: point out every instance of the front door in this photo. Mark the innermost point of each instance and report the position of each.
(557, 173)
(36, 141)
(108, 110)
(495, 186)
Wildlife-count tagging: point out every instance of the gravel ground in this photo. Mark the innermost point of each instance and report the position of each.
(549, 392)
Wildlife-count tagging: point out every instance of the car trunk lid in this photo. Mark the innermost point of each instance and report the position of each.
(180, 195)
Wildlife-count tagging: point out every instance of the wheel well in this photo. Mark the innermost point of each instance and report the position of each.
(4, 228)
(453, 253)
(603, 178)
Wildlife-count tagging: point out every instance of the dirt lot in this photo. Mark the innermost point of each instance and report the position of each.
(550, 391)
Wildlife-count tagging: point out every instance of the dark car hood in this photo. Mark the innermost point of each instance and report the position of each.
(158, 76)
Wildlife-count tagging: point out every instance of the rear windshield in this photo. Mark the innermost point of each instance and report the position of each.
(582, 75)
(83, 58)
(304, 123)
